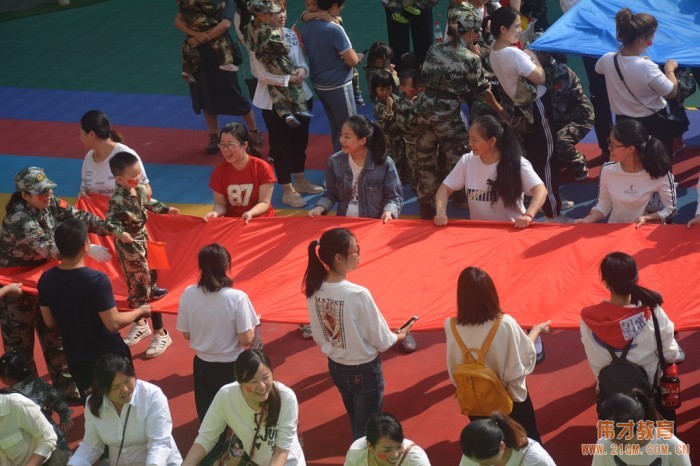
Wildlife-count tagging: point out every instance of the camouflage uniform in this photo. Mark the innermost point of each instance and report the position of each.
(572, 113)
(449, 73)
(127, 212)
(26, 240)
(50, 400)
(372, 70)
(406, 121)
(198, 15)
(393, 136)
(271, 50)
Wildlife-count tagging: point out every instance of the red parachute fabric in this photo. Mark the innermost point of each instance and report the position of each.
(411, 267)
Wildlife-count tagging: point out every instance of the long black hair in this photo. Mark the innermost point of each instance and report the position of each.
(106, 368)
(98, 122)
(363, 127)
(481, 439)
(619, 270)
(247, 365)
(214, 263)
(652, 152)
(508, 184)
(332, 242)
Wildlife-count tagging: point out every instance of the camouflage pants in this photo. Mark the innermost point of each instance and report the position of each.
(411, 151)
(140, 280)
(479, 108)
(190, 55)
(440, 130)
(19, 318)
(567, 138)
(289, 99)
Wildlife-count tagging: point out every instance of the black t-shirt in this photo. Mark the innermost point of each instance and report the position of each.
(76, 297)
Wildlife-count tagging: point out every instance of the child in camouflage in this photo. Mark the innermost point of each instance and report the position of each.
(15, 373)
(289, 102)
(127, 213)
(198, 15)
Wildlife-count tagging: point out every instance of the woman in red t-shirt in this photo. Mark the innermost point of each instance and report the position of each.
(243, 184)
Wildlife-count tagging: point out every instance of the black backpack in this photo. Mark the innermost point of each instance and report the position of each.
(621, 376)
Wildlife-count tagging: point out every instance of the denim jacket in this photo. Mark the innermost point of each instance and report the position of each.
(379, 189)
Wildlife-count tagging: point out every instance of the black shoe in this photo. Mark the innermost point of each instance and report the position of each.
(213, 146)
(427, 211)
(292, 121)
(359, 101)
(158, 293)
(304, 114)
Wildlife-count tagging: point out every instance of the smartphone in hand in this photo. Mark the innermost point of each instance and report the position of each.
(408, 322)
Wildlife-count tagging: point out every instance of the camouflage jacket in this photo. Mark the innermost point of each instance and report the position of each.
(48, 398)
(265, 41)
(371, 70)
(26, 235)
(128, 213)
(454, 70)
(406, 118)
(569, 101)
(387, 122)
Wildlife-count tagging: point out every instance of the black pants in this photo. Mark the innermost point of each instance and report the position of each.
(419, 30)
(540, 150)
(287, 145)
(601, 104)
(209, 377)
(524, 414)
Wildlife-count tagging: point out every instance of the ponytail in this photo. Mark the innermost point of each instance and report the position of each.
(652, 152)
(514, 435)
(631, 27)
(625, 407)
(619, 271)
(508, 184)
(15, 199)
(332, 242)
(363, 127)
(97, 122)
(481, 438)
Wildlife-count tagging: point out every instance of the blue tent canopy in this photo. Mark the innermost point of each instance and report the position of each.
(589, 29)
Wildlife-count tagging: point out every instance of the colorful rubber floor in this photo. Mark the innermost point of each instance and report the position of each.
(122, 57)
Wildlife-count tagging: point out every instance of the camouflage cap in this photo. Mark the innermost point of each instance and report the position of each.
(256, 7)
(33, 180)
(466, 16)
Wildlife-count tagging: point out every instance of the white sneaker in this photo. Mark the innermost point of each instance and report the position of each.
(566, 204)
(293, 199)
(137, 333)
(159, 343)
(229, 67)
(307, 187)
(561, 218)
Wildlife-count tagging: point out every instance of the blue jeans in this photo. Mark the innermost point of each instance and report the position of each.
(362, 389)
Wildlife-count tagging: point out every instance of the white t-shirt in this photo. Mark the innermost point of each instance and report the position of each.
(648, 455)
(214, 321)
(509, 64)
(97, 177)
(353, 205)
(624, 195)
(347, 324)
(643, 77)
(357, 454)
(511, 355)
(472, 174)
(230, 409)
(532, 455)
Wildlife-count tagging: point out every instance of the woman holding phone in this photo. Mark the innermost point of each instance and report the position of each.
(347, 325)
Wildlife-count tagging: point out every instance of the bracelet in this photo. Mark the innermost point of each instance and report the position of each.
(528, 215)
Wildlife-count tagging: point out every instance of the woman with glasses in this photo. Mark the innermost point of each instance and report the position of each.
(27, 240)
(347, 325)
(639, 167)
(242, 184)
(129, 416)
(636, 86)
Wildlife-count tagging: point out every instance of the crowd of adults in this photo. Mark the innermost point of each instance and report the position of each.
(495, 162)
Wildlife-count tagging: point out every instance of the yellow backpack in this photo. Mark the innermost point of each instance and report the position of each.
(480, 391)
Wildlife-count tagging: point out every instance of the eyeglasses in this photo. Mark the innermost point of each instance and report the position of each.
(612, 145)
(229, 145)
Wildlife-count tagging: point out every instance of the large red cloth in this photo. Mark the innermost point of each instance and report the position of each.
(411, 267)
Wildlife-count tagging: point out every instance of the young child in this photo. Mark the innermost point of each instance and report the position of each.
(411, 87)
(15, 373)
(379, 58)
(198, 15)
(270, 49)
(311, 13)
(383, 93)
(127, 213)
